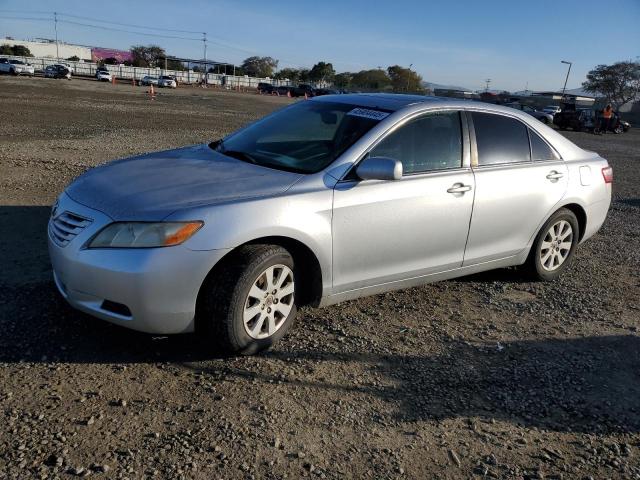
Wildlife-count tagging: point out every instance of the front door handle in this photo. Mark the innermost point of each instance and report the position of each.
(553, 175)
(459, 188)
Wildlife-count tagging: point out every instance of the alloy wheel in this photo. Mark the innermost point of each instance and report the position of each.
(556, 245)
(269, 302)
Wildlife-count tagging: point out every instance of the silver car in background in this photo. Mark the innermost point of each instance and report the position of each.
(16, 67)
(326, 200)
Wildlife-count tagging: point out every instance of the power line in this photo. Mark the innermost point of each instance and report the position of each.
(61, 19)
(147, 34)
(125, 24)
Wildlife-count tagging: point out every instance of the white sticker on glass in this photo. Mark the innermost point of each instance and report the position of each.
(366, 113)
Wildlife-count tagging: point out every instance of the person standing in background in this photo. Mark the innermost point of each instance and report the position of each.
(607, 114)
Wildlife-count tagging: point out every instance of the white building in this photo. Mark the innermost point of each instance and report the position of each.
(47, 48)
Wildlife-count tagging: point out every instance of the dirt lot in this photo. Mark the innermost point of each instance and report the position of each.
(490, 375)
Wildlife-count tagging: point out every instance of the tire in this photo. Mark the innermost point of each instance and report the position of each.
(562, 227)
(618, 129)
(545, 120)
(236, 312)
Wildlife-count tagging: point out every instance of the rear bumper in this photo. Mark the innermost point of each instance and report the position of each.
(152, 290)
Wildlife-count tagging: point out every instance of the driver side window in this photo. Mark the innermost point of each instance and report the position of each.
(430, 142)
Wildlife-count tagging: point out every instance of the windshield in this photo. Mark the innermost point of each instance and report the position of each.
(304, 138)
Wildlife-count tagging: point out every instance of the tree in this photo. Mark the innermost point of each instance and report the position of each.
(259, 66)
(374, 79)
(619, 83)
(292, 74)
(404, 79)
(111, 61)
(343, 80)
(15, 50)
(148, 56)
(322, 72)
(74, 58)
(173, 64)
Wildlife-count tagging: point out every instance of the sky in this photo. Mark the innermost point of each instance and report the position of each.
(514, 43)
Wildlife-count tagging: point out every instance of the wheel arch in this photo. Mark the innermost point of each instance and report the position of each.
(303, 257)
(581, 215)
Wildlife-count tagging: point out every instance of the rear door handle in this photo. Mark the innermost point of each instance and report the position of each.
(459, 188)
(553, 175)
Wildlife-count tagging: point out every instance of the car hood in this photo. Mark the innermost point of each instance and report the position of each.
(151, 187)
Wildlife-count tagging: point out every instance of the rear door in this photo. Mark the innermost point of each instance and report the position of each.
(519, 180)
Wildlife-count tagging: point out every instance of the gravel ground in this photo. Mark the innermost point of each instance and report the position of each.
(486, 376)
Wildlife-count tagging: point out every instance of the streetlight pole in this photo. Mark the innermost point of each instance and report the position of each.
(410, 65)
(566, 78)
(55, 26)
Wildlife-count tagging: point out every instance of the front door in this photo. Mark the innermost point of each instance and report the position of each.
(384, 231)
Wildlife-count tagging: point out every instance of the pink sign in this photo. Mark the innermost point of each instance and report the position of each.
(98, 54)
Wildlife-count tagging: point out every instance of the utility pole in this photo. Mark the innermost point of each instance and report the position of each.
(566, 78)
(487, 82)
(204, 41)
(55, 26)
(410, 65)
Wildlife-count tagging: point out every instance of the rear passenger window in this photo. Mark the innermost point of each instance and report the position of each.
(431, 142)
(540, 150)
(500, 139)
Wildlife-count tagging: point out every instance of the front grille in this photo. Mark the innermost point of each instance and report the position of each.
(64, 227)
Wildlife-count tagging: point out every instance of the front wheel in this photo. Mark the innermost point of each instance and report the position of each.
(554, 246)
(249, 304)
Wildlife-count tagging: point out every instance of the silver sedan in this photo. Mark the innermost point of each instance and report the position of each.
(326, 200)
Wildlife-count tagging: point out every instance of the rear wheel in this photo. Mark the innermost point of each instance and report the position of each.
(249, 304)
(554, 246)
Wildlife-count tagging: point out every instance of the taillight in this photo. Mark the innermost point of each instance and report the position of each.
(607, 174)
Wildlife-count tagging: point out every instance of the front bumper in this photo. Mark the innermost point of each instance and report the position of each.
(152, 290)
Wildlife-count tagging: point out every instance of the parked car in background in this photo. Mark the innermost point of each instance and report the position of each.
(545, 118)
(103, 75)
(285, 90)
(167, 81)
(325, 91)
(264, 87)
(551, 109)
(57, 71)
(149, 80)
(327, 200)
(304, 89)
(615, 124)
(16, 67)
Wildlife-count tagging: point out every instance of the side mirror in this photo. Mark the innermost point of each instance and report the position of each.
(379, 168)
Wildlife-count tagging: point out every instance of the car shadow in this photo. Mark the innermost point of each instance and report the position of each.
(589, 385)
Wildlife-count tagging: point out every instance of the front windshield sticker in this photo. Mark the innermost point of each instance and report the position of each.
(366, 113)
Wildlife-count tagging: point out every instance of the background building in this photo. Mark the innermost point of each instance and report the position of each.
(43, 47)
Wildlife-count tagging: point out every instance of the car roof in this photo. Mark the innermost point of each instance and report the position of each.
(399, 101)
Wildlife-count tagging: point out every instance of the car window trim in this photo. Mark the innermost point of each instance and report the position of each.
(464, 132)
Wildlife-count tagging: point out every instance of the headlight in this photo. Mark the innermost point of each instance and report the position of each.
(144, 235)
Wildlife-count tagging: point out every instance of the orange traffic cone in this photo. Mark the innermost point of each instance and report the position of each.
(306, 97)
(113, 79)
(152, 93)
(289, 93)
